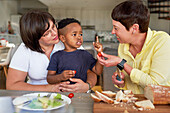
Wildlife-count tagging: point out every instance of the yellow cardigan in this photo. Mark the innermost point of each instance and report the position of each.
(151, 65)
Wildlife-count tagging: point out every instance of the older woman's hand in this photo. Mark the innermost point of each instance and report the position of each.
(117, 82)
(79, 86)
(111, 60)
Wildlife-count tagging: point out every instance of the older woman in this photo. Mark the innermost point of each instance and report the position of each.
(40, 40)
(143, 54)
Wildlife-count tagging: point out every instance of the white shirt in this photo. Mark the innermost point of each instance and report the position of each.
(33, 62)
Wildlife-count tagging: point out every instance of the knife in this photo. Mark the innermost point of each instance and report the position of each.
(118, 77)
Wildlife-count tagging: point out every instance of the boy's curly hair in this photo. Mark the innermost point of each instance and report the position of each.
(64, 22)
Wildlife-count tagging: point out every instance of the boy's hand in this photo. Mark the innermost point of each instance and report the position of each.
(68, 74)
(97, 45)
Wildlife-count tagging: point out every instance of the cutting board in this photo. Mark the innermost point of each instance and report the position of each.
(101, 107)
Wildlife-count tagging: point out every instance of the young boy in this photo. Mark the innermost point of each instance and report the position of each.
(72, 62)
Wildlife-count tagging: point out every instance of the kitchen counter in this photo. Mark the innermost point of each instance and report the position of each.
(11, 38)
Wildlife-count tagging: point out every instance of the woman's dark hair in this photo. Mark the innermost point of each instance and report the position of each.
(33, 24)
(132, 12)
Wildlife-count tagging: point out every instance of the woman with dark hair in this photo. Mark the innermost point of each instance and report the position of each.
(40, 40)
(143, 54)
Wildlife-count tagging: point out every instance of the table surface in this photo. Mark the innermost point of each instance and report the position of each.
(80, 103)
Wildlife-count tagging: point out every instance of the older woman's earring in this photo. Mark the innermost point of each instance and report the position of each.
(133, 32)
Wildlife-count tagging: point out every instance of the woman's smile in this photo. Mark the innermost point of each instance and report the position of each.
(55, 38)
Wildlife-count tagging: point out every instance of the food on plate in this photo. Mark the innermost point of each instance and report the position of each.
(104, 97)
(71, 95)
(157, 94)
(145, 104)
(95, 98)
(46, 102)
(109, 93)
(39, 102)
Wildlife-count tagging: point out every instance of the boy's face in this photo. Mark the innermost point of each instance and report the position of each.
(72, 36)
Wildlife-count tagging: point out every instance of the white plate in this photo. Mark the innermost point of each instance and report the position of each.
(30, 96)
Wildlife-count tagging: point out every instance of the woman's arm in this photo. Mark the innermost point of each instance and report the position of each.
(16, 81)
(156, 67)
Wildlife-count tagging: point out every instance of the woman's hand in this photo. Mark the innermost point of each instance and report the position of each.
(117, 82)
(111, 60)
(55, 87)
(97, 45)
(79, 86)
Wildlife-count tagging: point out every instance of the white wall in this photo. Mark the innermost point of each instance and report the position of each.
(98, 17)
(159, 24)
(102, 18)
(31, 4)
(7, 8)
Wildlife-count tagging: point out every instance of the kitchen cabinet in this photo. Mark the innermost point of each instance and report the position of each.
(87, 17)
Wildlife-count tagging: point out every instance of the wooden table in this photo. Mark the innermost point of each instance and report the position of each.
(80, 103)
(101, 107)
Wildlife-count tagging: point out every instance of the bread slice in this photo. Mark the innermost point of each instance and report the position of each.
(133, 99)
(157, 94)
(128, 92)
(145, 104)
(119, 96)
(104, 97)
(95, 98)
(109, 94)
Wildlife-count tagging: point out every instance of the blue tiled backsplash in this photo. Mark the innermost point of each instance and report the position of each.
(105, 36)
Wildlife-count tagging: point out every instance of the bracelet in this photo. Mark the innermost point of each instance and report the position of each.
(121, 64)
(89, 90)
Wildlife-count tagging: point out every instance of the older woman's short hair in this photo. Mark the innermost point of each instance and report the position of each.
(132, 12)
